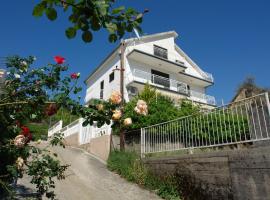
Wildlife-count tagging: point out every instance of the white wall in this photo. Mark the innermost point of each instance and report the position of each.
(173, 55)
(103, 72)
(93, 84)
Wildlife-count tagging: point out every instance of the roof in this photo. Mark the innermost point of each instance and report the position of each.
(146, 37)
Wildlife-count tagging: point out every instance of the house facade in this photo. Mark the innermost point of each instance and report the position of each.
(154, 59)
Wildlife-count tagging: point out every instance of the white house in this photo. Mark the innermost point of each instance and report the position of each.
(155, 59)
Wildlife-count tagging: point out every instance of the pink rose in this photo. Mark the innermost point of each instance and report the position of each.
(141, 108)
(127, 121)
(117, 114)
(116, 97)
(19, 141)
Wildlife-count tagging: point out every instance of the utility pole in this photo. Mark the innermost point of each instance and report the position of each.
(122, 69)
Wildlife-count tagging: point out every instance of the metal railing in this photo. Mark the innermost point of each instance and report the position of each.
(243, 121)
(208, 76)
(207, 98)
(55, 128)
(173, 85)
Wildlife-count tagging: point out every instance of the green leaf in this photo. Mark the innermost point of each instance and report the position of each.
(95, 25)
(38, 10)
(129, 27)
(118, 10)
(70, 32)
(87, 36)
(139, 18)
(111, 27)
(112, 38)
(51, 14)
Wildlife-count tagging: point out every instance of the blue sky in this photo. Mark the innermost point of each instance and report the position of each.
(228, 38)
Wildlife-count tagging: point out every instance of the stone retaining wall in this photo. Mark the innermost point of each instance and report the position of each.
(238, 174)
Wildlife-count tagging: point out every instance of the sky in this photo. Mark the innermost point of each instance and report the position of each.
(228, 38)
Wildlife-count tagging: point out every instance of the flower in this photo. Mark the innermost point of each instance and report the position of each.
(19, 163)
(24, 63)
(59, 59)
(127, 121)
(51, 109)
(17, 75)
(141, 107)
(117, 114)
(100, 107)
(116, 97)
(39, 141)
(75, 75)
(19, 141)
(25, 130)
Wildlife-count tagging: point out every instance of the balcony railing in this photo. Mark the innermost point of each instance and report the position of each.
(208, 76)
(173, 85)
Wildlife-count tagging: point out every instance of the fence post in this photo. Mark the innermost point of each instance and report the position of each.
(80, 130)
(142, 143)
(267, 102)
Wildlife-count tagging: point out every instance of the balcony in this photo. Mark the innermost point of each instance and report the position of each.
(170, 85)
(157, 58)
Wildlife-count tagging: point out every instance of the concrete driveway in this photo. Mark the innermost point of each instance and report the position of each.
(88, 179)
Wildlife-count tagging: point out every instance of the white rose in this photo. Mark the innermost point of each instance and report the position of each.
(17, 75)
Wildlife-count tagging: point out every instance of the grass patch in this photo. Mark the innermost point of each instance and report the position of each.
(38, 130)
(129, 166)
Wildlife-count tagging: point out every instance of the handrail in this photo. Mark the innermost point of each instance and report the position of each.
(174, 86)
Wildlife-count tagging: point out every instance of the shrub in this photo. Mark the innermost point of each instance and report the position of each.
(129, 166)
(157, 105)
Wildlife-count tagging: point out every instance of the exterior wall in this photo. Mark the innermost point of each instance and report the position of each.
(72, 140)
(173, 55)
(100, 147)
(93, 84)
(145, 45)
(238, 174)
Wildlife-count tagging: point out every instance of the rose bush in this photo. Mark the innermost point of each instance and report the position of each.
(33, 94)
(30, 95)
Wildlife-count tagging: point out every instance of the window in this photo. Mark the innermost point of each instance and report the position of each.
(160, 52)
(188, 88)
(101, 89)
(111, 77)
(160, 78)
(182, 88)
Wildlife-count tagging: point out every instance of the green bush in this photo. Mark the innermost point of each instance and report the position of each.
(160, 109)
(130, 167)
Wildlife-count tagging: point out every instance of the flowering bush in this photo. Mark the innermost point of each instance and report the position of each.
(32, 94)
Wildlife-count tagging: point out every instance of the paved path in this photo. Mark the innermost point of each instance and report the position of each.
(89, 179)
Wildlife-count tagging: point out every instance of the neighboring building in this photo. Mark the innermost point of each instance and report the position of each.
(248, 89)
(155, 59)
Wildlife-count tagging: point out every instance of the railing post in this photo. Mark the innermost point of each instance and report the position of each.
(142, 143)
(80, 130)
(267, 102)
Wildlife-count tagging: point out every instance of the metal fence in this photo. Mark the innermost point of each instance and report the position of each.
(247, 120)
